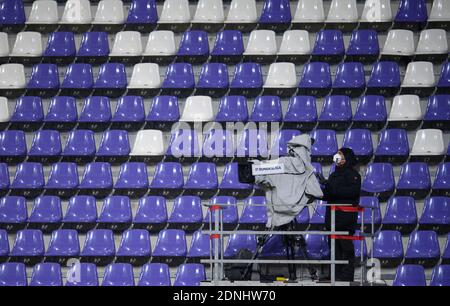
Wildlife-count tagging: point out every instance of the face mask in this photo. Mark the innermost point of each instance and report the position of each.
(337, 158)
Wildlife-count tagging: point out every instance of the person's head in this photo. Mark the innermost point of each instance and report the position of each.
(344, 158)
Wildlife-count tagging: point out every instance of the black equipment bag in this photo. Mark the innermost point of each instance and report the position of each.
(237, 271)
(245, 173)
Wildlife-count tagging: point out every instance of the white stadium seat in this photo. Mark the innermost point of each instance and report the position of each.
(432, 46)
(309, 15)
(43, 16)
(440, 15)
(261, 47)
(428, 146)
(145, 80)
(295, 47)
(209, 16)
(419, 79)
(127, 47)
(281, 80)
(175, 16)
(198, 109)
(377, 15)
(405, 112)
(109, 16)
(27, 48)
(242, 15)
(148, 146)
(76, 17)
(399, 46)
(4, 48)
(12, 80)
(160, 47)
(343, 15)
(4, 113)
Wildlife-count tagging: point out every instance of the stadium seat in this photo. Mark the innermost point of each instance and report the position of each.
(63, 245)
(97, 180)
(301, 113)
(160, 48)
(329, 46)
(232, 109)
(229, 212)
(60, 48)
(46, 214)
(109, 16)
(228, 47)
(419, 79)
(428, 146)
(252, 143)
(302, 219)
(184, 146)
(12, 16)
(267, 109)
(316, 247)
(135, 247)
(114, 147)
(13, 274)
(279, 145)
(118, 275)
(80, 147)
(154, 274)
(218, 146)
(27, 48)
(190, 275)
(170, 247)
(254, 214)
(274, 248)
(360, 141)
(4, 179)
(399, 46)
(151, 214)
(441, 182)
(406, 112)
(349, 80)
(95, 114)
(197, 109)
(111, 80)
(336, 113)
(47, 275)
(371, 208)
(343, 15)
(142, 16)
(376, 15)
(78, 81)
(145, 80)
(200, 247)
(13, 146)
(414, 180)
(411, 14)
(410, 275)
(378, 180)
(392, 146)
(194, 47)
(440, 276)
(275, 15)
(4, 113)
(28, 247)
(127, 48)
(77, 23)
(439, 16)
(400, 214)
(99, 247)
(28, 180)
(309, 15)
(209, 16)
(44, 81)
(148, 146)
(202, 180)
(432, 46)
(13, 213)
(325, 145)
(230, 184)
(28, 114)
(446, 253)
(81, 214)
(186, 214)
(213, 80)
(238, 242)
(179, 80)
(315, 79)
(388, 248)
(436, 215)
(12, 80)
(242, 16)
(168, 180)
(88, 275)
(247, 80)
(281, 80)
(164, 112)
(94, 48)
(423, 248)
(384, 79)
(175, 16)
(132, 180)
(4, 48)
(363, 47)
(62, 180)
(295, 47)
(444, 80)
(261, 47)
(129, 114)
(4, 246)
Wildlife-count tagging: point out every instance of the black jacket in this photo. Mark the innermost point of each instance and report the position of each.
(343, 187)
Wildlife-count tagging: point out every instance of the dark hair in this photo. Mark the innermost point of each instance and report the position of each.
(350, 159)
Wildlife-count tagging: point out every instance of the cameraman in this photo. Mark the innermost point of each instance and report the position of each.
(343, 187)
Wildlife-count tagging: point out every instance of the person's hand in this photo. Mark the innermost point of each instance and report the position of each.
(322, 180)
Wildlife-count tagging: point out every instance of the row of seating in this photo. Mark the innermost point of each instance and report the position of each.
(228, 47)
(171, 247)
(46, 215)
(85, 274)
(209, 15)
(214, 81)
(414, 275)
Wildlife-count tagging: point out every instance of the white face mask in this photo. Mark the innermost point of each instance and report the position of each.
(337, 158)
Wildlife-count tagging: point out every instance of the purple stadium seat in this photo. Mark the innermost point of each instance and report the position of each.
(97, 180)
(315, 79)
(111, 80)
(194, 47)
(267, 109)
(96, 114)
(378, 180)
(200, 247)
(28, 247)
(62, 180)
(247, 80)
(99, 247)
(388, 248)
(28, 180)
(114, 147)
(254, 214)
(118, 275)
(190, 275)
(154, 274)
(443, 84)
(13, 213)
(384, 79)
(218, 146)
(371, 207)
(88, 275)
(253, 143)
(80, 147)
(202, 180)
(47, 275)
(129, 114)
(44, 81)
(370, 113)
(142, 16)
(78, 81)
(349, 80)
(184, 146)
(400, 214)
(12, 273)
(360, 141)
(325, 145)
(228, 47)
(116, 214)
(392, 146)
(213, 80)
(46, 147)
(232, 109)
(440, 276)
(329, 46)
(94, 48)
(132, 180)
(411, 15)
(28, 114)
(163, 114)
(436, 215)
(4, 179)
(179, 80)
(414, 180)
(230, 184)
(46, 214)
(363, 46)
(229, 212)
(336, 113)
(62, 114)
(60, 48)
(4, 246)
(168, 180)
(151, 214)
(135, 247)
(301, 113)
(81, 214)
(438, 112)
(170, 247)
(64, 244)
(441, 184)
(12, 16)
(13, 147)
(274, 248)
(238, 242)
(279, 146)
(410, 275)
(186, 213)
(423, 248)
(316, 247)
(275, 15)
